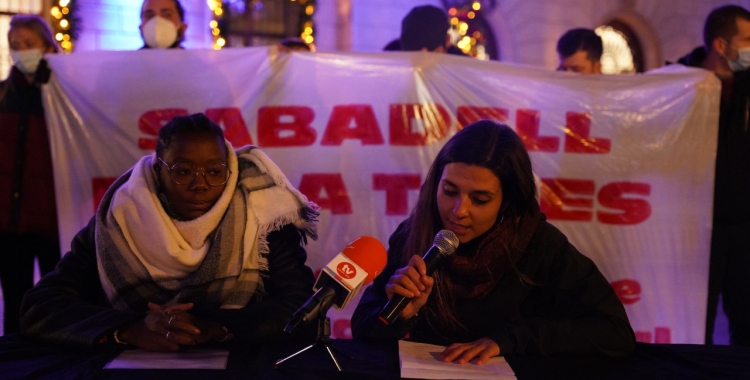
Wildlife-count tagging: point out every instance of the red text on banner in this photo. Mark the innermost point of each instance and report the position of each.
(396, 188)
(231, 119)
(336, 197)
(573, 199)
(286, 126)
(577, 135)
(468, 114)
(353, 122)
(418, 124)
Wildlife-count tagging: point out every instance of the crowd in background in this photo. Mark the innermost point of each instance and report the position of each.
(28, 220)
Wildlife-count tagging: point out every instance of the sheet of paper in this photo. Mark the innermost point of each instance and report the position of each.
(420, 360)
(187, 359)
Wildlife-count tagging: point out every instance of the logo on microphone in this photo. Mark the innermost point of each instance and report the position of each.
(346, 270)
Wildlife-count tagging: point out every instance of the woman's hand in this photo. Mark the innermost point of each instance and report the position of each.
(412, 282)
(153, 332)
(166, 328)
(197, 329)
(462, 353)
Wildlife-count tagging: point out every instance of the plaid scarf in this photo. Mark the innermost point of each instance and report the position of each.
(476, 269)
(217, 260)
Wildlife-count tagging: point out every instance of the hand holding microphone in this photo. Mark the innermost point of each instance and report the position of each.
(409, 288)
(412, 283)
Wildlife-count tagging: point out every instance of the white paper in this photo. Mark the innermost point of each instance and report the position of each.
(187, 359)
(420, 360)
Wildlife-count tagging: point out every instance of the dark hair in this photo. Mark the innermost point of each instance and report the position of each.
(581, 39)
(722, 22)
(180, 10)
(295, 43)
(180, 126)
(37, 25)
(177, 5)
(425, 26)
(394, 45)
(488, 144)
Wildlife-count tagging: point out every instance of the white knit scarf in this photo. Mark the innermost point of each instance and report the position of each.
(218, 259)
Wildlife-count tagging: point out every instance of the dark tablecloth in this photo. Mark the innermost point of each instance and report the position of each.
(24, 359)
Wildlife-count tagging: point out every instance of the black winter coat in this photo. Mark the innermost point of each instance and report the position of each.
(572, 311)
(69, 306)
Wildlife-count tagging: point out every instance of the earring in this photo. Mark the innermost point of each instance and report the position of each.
(500, 221)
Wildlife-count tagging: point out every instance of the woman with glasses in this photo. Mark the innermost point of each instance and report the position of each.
(196, 243)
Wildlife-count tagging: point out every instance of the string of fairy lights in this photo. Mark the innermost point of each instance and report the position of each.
(471, 42)
(217, 8)
(307, 23)
(65, 23)
(218, 22)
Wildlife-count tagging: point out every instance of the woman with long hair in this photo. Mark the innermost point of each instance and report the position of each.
(514, 285)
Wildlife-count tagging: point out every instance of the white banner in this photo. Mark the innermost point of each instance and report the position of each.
(626, 162)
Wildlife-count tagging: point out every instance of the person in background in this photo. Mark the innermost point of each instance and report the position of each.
(580, 51)
(162, 24)
(726, 53)
(514, 285)
(393, 45)
(195, 244)
(28, 214)
(425, 28)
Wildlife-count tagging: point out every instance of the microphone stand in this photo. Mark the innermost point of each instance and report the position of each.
(323, 339)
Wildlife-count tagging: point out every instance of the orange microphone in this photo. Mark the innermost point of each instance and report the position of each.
(342, 279)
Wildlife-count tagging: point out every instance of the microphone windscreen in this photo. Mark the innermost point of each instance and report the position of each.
(446, 241)
(369, 254)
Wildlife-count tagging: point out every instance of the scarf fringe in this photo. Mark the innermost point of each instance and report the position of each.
(306, 225)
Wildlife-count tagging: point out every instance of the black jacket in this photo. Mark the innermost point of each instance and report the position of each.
(27, 188)
(573, 310)
(69, 306)
(732, 181)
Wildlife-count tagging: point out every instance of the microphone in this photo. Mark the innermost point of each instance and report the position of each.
(340, 281)
(444, 244)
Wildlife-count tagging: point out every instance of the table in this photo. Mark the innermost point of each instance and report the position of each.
(21, 358)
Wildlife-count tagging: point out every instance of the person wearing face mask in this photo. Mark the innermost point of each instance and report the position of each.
(726, 52)
(162, 24)
(28, 214)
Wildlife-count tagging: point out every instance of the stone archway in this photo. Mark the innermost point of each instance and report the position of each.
(648, 41)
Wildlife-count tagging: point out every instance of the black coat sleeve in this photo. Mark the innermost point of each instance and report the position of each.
(68, 305)
(571, 310)
(365, 321)
(287, 287)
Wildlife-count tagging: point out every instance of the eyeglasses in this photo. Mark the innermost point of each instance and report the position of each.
(183, 173)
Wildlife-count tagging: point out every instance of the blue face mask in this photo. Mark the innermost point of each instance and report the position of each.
(742, 62)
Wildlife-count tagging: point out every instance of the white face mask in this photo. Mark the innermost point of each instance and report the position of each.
(26, 60)
(742, 62)
(159, 33)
